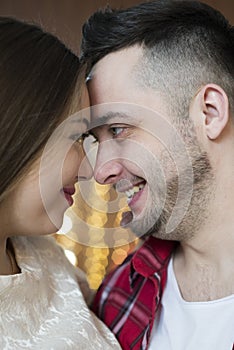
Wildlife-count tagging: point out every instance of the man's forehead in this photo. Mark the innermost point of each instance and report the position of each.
(123, 59)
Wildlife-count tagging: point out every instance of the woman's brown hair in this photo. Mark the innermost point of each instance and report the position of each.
(38, 78)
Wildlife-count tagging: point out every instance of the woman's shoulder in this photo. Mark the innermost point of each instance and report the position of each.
(31, 244)
(39, 252)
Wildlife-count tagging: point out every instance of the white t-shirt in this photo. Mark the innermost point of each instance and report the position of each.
(186, 325)
(43, 308)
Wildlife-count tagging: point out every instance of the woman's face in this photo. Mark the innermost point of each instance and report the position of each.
(37, 204)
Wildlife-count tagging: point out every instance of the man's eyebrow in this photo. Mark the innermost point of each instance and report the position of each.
(105, 119)
(86, 122)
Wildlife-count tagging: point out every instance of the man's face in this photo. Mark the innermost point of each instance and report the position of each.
(140, 151)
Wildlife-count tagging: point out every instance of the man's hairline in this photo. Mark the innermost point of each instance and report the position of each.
(135, 71)
(137, 45)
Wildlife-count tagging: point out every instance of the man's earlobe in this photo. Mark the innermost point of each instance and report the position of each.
(215, 108)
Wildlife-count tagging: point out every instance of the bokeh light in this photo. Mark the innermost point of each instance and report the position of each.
(94, 257)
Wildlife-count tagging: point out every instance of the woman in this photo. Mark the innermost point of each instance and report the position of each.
(41, 84)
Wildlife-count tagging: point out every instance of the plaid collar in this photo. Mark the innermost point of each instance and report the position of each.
(152, 257)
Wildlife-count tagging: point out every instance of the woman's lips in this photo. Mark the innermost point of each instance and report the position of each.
(68, 192)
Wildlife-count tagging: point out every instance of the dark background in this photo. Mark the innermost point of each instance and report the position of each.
(65, 17)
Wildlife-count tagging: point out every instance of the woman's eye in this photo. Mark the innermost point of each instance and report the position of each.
(116, 130)
(94, 141)
(79, 138)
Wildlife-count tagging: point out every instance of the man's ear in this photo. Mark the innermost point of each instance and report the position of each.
(215, 108)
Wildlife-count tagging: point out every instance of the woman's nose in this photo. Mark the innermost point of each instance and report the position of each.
(85, 169)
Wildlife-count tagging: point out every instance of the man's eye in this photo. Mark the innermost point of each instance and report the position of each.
(116, 130)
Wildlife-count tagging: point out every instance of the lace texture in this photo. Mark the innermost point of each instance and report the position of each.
(43, 306)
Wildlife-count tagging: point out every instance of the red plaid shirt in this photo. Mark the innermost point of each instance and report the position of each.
(129, 297)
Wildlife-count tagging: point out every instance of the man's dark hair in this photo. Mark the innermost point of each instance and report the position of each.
(185, 44)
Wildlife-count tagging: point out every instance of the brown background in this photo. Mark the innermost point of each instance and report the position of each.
(65, 17)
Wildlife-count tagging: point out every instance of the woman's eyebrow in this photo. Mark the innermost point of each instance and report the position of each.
(84, 121)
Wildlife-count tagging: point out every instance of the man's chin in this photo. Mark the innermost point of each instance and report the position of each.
(144, 228)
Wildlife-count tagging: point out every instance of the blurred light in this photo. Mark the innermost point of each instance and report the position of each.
(102, 190)
(67, 225)
(97, 267)
(94, 280)
(99, 253)
(119, 255)
(90, 262)
(123, 245)
(94, 256)
(97, 220)
(71, 257)
(123, 203)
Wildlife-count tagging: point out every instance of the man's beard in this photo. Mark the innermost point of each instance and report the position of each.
(155, 220)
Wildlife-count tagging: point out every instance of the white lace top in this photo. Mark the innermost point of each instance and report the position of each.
(43, 307)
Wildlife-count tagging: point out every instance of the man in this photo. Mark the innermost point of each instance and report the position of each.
(162, 80)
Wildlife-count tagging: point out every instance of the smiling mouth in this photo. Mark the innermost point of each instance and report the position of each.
(133, 191)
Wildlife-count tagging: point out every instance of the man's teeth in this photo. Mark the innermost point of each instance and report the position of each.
(130, 193)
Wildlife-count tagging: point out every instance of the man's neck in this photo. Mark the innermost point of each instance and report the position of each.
(204, 268)
(204, 264)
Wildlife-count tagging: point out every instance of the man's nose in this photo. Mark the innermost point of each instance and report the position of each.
(108, 167)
